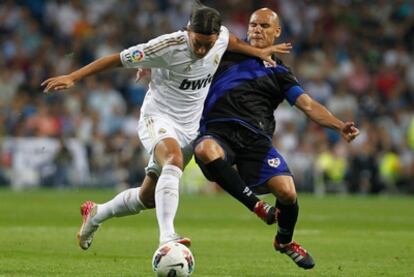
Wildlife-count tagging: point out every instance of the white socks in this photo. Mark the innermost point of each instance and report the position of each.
(126, 202)
(166, 200)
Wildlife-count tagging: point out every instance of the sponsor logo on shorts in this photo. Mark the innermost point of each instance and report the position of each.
(275, 162)
(162, 131)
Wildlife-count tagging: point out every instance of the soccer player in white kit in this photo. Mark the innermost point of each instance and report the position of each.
(183, 64)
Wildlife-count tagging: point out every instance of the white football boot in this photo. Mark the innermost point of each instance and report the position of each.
(177, 238)
(88, 228)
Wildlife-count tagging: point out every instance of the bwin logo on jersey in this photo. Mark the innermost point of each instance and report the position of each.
(196, 84)
(275, 162)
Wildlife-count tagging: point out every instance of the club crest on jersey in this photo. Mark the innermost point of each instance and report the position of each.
(275, 162)
(196, 84)
(266, 64)
(188, 68)
(162, 131)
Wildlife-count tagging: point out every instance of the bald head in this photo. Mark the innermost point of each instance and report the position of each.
(266, 12)
(264, 28)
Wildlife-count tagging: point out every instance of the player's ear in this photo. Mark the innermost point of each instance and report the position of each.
(278, 31)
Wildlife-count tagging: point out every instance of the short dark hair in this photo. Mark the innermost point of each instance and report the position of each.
(204, 20)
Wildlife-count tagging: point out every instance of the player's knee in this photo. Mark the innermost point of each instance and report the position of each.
(287, 195)
(168, 152)
(171, 156)
(201, 153)
(283, 188)
(207, 151)
(175, 159)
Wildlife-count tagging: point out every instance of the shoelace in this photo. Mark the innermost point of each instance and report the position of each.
(295, 247)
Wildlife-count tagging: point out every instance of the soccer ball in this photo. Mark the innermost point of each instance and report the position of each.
(173, 260)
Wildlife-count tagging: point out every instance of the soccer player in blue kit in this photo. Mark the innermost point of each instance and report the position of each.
(237, 126)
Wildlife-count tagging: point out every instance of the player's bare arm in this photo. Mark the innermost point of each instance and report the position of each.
(239, 46)
(318, 113)
(68, 81)
(262, 53)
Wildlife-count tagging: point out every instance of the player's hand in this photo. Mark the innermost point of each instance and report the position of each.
(349, 132)
(141, 73)
(281, 48)
(58, 83)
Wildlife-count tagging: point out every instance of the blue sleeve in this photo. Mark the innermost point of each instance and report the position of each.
(293, 93)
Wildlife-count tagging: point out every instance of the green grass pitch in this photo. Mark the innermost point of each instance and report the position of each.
(348, 236)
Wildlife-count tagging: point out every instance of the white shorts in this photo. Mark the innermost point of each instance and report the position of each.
(152, 129)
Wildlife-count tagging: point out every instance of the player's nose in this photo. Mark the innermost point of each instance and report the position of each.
(202, 51)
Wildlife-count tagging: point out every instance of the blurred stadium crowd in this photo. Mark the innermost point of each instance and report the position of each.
(356, 57)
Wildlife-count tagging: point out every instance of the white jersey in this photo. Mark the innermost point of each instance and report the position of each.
(179, 80)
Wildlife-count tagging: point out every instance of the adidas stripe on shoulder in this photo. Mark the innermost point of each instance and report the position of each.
(152, 49)
(153, 53)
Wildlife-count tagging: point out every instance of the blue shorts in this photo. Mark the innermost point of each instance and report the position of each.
(254, 155)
